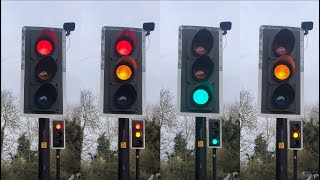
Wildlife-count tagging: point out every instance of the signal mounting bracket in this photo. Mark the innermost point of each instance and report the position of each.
(225, 26)
(307, 26)
(149, 26)
(69, 26)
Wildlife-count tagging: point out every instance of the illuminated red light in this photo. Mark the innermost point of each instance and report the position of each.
(138, 126)
(58, 126)
(44, 47)
(124, 47)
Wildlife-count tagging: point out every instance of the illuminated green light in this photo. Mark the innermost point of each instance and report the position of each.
(200, 96)
(214, 141)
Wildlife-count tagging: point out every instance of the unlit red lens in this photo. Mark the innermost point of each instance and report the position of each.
(200, 49)
(124, 47)
(44, 47)
(282, 72)
(123, 72)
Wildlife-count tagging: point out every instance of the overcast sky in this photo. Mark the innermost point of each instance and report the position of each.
(286, 13)
(84, 54)
(240, 56)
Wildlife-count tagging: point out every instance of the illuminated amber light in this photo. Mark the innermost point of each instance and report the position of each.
(295, 135)
(282, 72)
(138, 134)
(124, 72)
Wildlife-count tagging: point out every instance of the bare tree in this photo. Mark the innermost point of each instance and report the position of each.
(89, 113)
(248, 110)
(247, 113)
(166, 112)
(89, 119)
(167, 108)
(9, 113)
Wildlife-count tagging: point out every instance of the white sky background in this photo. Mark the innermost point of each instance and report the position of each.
(240, 56)
(286, 13)
(84, 54)
(175, 14)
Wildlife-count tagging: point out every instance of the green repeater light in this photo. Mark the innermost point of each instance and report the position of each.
(214, 141)
(200, 96)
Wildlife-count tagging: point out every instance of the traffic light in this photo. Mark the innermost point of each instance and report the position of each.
(43, 72)
(200, 71)
(137, 134)
(214, 137)
(123, 72)
(58, 134)
(295, 135)
(281, 71)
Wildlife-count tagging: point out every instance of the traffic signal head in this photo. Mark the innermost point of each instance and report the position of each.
(137, 134)
(123, 72)
(43, 72)
(58, 134)
(295, 135)
(214, 133)
(200, 71)
(281, 72)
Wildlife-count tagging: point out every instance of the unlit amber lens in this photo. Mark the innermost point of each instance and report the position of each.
(138, 134)
(282, 72)
(123, 72)
(295, 135)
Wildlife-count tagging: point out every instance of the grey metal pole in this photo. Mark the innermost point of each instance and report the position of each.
(295, 165)
(44, 149)
(137, 165)
(123, 149)
(281, 149)
(214, 164)
(201, 149)
(58, 163)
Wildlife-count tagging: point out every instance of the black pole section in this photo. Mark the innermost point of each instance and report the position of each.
(137, 165)
(123, 149)
(281, 149)
(58, 163)
(214, 164)
(295, 164)
(44, 149)
(201, 149)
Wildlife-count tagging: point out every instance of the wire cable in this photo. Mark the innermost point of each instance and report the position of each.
(148, 43)
(307, 43)
(68, 43)
(225, 37)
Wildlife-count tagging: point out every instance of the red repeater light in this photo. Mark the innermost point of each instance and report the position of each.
(58, 126)
(138, 126)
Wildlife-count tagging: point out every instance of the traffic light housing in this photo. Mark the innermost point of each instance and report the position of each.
(295, 135)
(123, 72)
(214, 133)
(200, 71)
(137, 134)
(58, 139)
(43, 68)
(281, 72)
